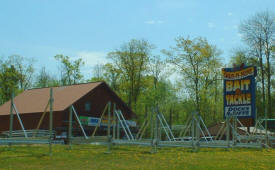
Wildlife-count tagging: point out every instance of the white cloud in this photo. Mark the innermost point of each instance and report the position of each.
(210, 24)
(151, 22)
(229, 14)
(92, 58)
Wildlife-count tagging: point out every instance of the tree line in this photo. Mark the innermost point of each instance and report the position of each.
(143, 81)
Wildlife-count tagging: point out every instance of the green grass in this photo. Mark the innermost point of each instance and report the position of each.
(133, 157)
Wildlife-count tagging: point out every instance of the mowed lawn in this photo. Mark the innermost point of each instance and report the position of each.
(133, 157)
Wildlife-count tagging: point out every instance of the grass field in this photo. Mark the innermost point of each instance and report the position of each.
(133, 157)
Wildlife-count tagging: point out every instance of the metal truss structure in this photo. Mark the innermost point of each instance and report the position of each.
(194, 135)
(35, 136)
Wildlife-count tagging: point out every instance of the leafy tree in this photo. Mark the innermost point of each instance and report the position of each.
(70, 71)
(9, 81)
(24, 67)
(109, 74)
(132, 60)
(16, 74)
(112, 75)
(242, 56)
(195, 59)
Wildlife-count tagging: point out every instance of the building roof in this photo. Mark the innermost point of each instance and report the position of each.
(214, 129)
(35, 100)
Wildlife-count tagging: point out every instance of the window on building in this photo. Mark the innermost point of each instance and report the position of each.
(87, 106)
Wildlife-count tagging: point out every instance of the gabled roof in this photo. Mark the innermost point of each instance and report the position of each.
(35, 100)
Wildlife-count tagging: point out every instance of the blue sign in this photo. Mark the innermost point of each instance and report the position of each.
(239, 92)
(93, 121)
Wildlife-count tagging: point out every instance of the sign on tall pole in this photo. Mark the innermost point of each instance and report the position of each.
(239, 92)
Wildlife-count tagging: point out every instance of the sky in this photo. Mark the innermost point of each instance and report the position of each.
(89, 29)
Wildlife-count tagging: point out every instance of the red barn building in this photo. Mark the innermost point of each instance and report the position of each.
(88, 99)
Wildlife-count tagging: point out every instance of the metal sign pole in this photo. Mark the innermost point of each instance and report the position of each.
(233, 129)
(227, 131)
(236, 130)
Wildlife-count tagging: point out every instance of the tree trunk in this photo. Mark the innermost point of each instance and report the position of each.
(269, 88)
(170, 117)
(262, 80)
(197, 97)
(215, 98)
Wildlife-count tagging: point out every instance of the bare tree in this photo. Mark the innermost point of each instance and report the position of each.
(44, 79)
(258, 33)
(98, 71)
(156, 68)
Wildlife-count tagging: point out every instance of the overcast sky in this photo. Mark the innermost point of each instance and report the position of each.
(40, 29)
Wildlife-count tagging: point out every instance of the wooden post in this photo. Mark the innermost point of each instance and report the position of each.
(152, 125)
(193, 131)
(170, 118)
(109, 128)
(11, 116)
(152, 132)
(197, 133)
(265, 126)
(159, 129)
(118, 129)
(51, 121)
(235, 130)
(70, 126)
(42, 117)
(156, 132)
(227, 131)
(118, 126)
(102, 115)
(114, 122)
